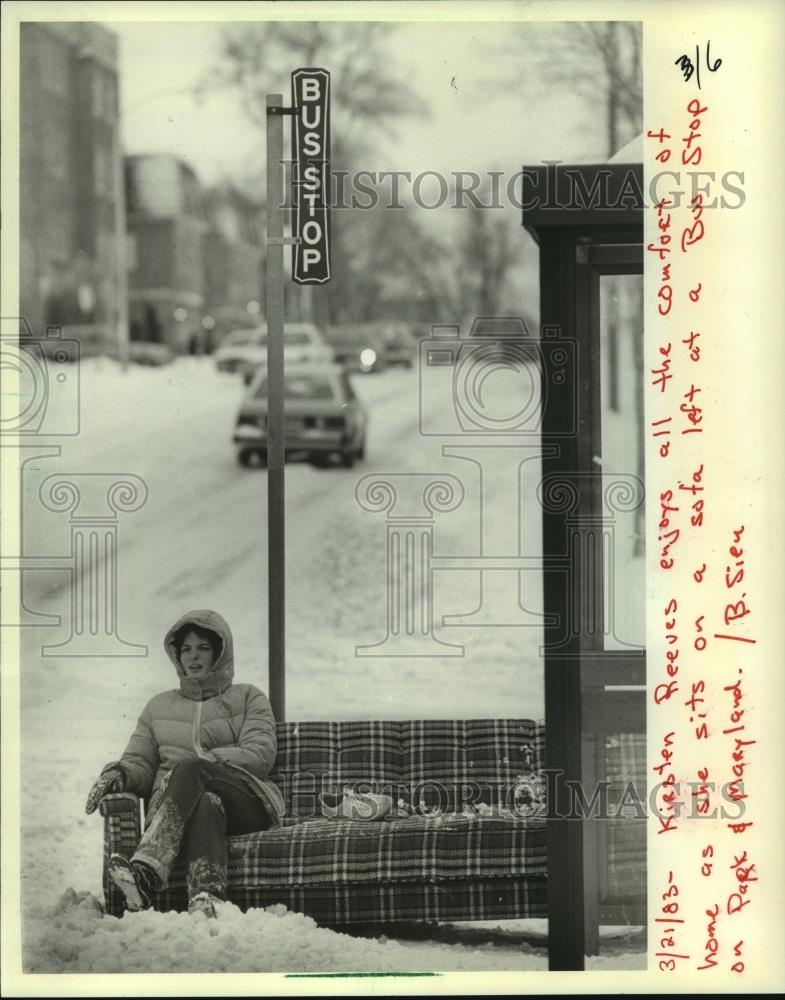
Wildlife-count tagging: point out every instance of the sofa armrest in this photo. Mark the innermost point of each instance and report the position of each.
(122, 832)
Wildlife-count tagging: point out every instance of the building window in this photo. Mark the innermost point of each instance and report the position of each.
(110, 97)
(103, 171)
(56, 149)
(99, 176)
(192, 194)
(58, 235)
(98, 93)
(104, 94)
(54, 64)
(107, 250)
(130, 251)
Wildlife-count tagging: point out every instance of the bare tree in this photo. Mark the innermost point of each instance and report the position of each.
(368, 99)
(401, 264)
(489, 247)
(590, 58)
(612, 51)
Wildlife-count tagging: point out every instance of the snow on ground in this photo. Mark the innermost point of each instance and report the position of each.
(73, 936)
(200, 540)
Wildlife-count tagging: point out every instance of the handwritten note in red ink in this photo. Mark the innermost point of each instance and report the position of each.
(703, 868)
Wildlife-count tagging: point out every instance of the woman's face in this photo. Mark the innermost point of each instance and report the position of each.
(196, 656)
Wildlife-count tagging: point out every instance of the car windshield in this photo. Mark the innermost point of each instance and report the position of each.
(258, 335)
(248, 336)
(361, 335)
(297, 338)
(305, 386)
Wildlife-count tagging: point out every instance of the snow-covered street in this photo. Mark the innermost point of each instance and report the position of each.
(200, 541)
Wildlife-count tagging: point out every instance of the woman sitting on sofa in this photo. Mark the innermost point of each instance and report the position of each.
(201, 754)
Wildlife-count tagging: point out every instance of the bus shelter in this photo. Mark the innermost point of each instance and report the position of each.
(588, 224)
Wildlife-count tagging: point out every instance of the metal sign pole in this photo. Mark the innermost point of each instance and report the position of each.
(311, 146)
(276, 580)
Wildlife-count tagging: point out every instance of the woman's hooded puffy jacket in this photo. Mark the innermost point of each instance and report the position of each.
(232, 722)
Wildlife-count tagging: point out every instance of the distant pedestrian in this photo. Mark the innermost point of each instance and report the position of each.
(201, 754)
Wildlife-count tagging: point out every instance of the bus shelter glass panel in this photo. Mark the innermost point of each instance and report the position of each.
(622, 445)
(614, 741)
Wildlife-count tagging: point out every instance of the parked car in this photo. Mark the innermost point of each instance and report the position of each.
(223, 322)
(323, 418)
(357, 347)
(236, 347)
(143, 352)
(245, 351)
(399, 346)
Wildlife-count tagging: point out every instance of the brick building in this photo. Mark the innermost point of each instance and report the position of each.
(195, 256)
(166, 225)
(71, 217)
(233, 260)
(109, 246)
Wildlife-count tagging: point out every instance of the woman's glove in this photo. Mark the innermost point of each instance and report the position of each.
(112, 779)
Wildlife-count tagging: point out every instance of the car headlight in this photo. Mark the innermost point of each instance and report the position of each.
(367, 357)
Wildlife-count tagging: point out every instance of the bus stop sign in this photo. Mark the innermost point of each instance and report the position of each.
(310, 175)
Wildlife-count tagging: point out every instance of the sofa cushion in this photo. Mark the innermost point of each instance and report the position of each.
(414, 849)
(326, 756)
(425, 763)
(449, 763)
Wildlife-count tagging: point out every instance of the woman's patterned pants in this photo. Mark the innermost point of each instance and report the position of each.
(202, 803)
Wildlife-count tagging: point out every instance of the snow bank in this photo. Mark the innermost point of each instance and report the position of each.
(75, 936)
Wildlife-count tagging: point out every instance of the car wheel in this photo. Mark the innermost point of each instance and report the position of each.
(252, 458)
(361, 451)
(347, 459)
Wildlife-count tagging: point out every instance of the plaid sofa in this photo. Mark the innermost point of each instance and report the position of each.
(464, 841)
